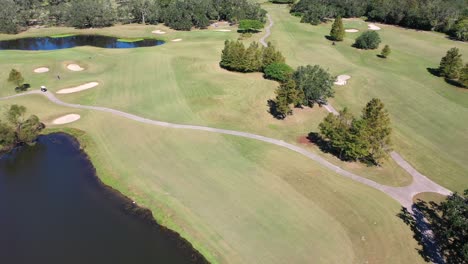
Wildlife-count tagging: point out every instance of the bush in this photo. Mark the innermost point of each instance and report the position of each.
(278, 71)
(250, 25)
(368, 40)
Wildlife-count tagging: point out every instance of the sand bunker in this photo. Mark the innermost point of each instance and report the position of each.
(351, 30)
(223, 30)
(78, 88)
(176, 40)
(74, 67)
(66, 119)
(41, 70)
(158, 31)
(373, 27)
(342, 79)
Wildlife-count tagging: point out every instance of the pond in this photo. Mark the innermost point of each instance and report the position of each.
(55, 43)
(53, 209)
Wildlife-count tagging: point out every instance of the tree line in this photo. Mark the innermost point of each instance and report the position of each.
(16, 15)
(17, 129)
(448, 16)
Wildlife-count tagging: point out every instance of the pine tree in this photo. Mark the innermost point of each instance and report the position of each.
(337, 32)
(378, 130)
(16, 77)
(253, 58)
(271, 55)
(451, 64)
(287, 94)
(463, 79)
(385, 51)
(227, 56)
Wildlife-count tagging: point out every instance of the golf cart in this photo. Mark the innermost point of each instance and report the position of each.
(43, 89)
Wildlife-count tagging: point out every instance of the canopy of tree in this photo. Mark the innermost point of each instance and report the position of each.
(448, 222)
(16, 129)
(178, 14)
(366, 138)
(315, 82)
(451, 67)
(449, 16)
(368, 40)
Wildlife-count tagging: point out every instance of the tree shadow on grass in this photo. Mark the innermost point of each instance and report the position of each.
(454, 83)
(419, 221)
(273, 110)
(324, 145)
(434, 71)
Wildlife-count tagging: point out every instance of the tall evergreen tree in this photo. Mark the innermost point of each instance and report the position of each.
(464, 76)
(337, 32)
(286, 95)
(253, 58)
(271, 55)
(385, 51)
(451, 64)
(16, 77)
(378, 130)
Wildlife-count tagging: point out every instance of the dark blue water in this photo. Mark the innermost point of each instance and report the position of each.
(54, 210)
(48, 43)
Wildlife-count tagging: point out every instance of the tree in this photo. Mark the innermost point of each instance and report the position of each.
(252, 58)
(250, 25)
(315, 82)
(18, 130)
(16, 77)
(378, 130)
(337, 32)
(91, 13)
(464, 76)
(451, 64)
(278, 71)
(460, 29)
(9, 17)
(385, 51)
(287, 94)
(271, 55)
(368, 40)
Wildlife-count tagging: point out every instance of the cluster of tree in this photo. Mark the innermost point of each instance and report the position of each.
(178, 14)
(307, 86)
(235, 57)
(16, 129)
(448, 221)
(366, 138)
(449, 16)
(451, 67)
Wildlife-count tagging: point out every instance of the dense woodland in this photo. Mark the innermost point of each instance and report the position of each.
(16, 15)
(449, 16)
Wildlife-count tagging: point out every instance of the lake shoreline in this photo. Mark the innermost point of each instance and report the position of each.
(125, 204)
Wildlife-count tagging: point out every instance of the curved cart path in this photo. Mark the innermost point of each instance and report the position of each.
(268, 31)
(404, 195)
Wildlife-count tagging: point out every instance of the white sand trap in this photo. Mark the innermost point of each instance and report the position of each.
(176, 40)
(74, 67)
(373, 27)
(159, 32)
(41, 70)
(351, 30)
(342, 79)
(223, 30)
(66, 119)
(78, 88)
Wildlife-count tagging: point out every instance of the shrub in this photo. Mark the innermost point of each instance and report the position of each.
(278, 71)
(250, 25)
(368, 40)
(337, 32)
(451, 64)
(385, 51)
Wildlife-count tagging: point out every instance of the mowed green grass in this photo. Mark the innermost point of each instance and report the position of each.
(176, 82)
(239, 200)
(428, 115)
